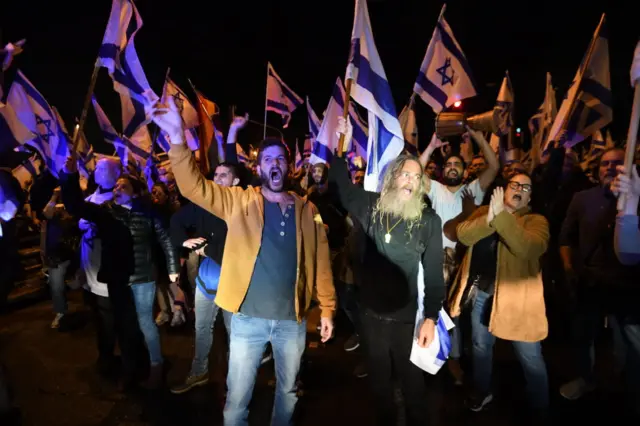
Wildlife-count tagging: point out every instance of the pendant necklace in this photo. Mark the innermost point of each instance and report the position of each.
(387, 236)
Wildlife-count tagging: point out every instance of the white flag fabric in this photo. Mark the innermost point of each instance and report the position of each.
(314, 128)
(588, 104)
(371, 90)
(118, 52)
(280, 98)
(37, 115)
(445, 76)
(12, 132)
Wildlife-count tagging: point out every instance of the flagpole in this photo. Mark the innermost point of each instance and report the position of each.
(632, 139)
(203, 155)
(345, 113)
(157, 130)
(266, 96)
(85, 108)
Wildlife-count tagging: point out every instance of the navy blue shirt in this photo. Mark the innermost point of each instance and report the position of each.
(271, 293)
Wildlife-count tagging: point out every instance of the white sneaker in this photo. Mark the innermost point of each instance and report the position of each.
(56, 321)
(575, 389)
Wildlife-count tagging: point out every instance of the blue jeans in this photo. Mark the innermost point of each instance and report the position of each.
(529, 354)
(249, 337)
(56, 281)
(144, 295)
(206, 311)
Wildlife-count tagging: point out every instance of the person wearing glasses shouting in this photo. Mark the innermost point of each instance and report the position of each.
(501, 283)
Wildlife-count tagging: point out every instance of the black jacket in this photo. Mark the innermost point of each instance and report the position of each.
(192, 221)
(387, 272)
(127, 235)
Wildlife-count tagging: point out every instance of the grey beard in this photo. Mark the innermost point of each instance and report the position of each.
(410, 210)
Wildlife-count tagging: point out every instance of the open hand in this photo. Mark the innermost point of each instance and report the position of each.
(193, 242)
(168, 118)
(436, 143)
(497, 201)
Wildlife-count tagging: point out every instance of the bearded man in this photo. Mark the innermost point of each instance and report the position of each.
(276, 258)
(400, 233)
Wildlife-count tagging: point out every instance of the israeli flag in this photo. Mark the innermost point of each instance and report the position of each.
(434, 356)
(35, 113)
(504, 106)
(371, 90)
(26, 172)
(299, 160)
(280, 98)
(118, 53)
(124, 147)
(134, 129)
(327, 138)
(12, 132)
(188, 113)
(314, 125)
(588, 104)
(445, 76)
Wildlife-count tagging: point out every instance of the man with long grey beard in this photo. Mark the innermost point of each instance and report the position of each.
(400, 233)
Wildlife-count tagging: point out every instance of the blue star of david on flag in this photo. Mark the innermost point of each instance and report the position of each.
(47, 126)
(443, 72)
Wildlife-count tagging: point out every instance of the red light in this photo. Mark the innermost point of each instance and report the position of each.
(457, 104)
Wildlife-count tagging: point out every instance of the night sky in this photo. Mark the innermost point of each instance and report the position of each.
(224, 47)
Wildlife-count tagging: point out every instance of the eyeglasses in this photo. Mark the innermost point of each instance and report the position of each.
(524, 187)
(410, 176)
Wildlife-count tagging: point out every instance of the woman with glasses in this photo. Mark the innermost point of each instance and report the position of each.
(501, 283)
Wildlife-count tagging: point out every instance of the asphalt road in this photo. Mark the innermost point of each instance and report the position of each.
(54, 383)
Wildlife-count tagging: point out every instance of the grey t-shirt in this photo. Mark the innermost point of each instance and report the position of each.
(271, 293)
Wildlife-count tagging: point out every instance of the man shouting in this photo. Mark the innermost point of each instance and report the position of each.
(276, 257)
(400, 233)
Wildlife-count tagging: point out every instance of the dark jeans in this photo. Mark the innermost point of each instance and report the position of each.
(348, 301)
(116, 320)
(588, 321)
(387, 347)
(528, 353)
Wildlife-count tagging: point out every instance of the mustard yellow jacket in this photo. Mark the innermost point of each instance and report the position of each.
(518, 310)
(243, 211)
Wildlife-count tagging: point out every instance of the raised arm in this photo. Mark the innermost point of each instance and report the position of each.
(192, 184)
(352, 197)
(627, 235)
(475, 228)
(238, 123)
(493, 166)
(528, 239)
(72, 196)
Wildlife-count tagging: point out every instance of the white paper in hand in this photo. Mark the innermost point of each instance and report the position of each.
(433, 357)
